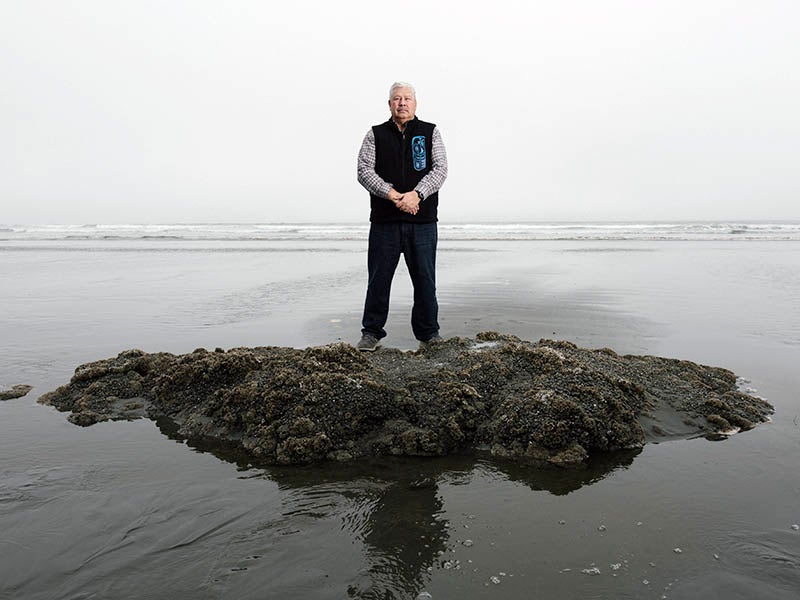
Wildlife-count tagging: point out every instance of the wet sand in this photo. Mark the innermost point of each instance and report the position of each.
(118, 509)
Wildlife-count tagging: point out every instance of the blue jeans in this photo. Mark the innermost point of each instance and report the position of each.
(417, 243)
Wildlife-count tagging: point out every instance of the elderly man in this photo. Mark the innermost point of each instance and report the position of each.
(402, 164)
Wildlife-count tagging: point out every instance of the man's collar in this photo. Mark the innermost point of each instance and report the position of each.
(393, 122)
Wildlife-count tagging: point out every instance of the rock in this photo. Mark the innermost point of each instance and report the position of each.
(544, 402)
(18, 391)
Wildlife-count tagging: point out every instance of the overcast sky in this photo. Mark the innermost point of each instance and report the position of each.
(211, 111)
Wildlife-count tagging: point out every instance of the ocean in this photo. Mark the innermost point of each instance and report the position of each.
(129, 510)
(264, 232)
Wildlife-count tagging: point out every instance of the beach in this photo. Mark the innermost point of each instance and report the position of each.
(128, 509)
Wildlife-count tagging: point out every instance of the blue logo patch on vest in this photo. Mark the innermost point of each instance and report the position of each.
(418, 152)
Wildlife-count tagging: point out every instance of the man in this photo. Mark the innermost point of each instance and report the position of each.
(402, 164)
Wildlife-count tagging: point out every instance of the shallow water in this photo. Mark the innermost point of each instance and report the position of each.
(125, 510)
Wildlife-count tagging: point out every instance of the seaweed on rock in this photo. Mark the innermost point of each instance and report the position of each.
(545, 401)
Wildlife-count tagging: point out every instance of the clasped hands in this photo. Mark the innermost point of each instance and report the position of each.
(408, 202)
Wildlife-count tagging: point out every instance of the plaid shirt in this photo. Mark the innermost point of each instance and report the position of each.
(373, 182)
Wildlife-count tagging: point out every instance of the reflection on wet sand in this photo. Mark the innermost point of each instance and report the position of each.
(393, 506)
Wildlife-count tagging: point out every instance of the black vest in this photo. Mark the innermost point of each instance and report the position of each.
(403, 159)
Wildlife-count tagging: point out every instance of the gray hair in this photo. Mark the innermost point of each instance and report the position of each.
(402, 84)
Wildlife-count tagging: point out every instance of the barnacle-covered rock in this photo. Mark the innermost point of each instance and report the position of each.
(547, 401)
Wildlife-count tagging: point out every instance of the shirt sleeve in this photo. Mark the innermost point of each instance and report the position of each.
(434, 179)
(367, 176)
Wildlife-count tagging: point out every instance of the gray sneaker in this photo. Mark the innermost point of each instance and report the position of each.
(368, 343)
(434, 339)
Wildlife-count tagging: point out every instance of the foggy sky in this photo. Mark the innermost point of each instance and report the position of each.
(200, 111)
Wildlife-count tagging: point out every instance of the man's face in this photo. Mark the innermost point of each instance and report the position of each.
(403, 104)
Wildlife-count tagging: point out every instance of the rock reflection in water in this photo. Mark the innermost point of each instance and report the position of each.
(393, 506)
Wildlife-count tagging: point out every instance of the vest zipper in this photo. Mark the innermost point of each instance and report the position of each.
(403, 157)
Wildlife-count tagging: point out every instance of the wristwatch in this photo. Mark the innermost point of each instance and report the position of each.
(421, 195)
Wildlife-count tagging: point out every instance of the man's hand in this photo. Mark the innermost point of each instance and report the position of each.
(409, 202)
(395, 196)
